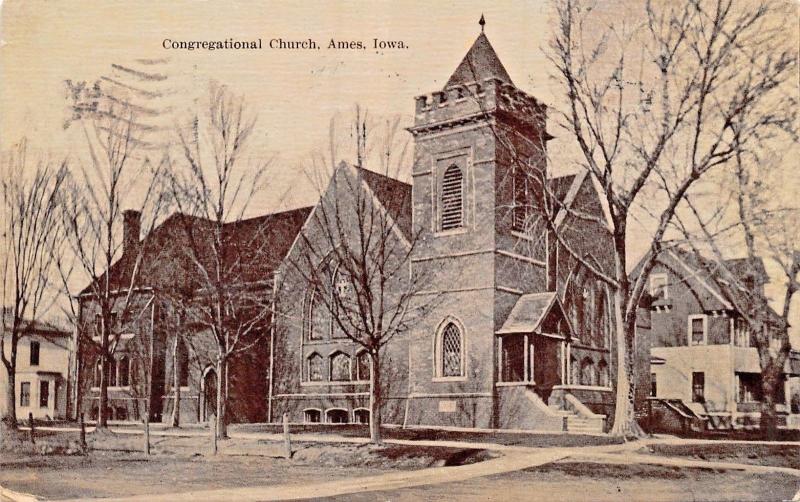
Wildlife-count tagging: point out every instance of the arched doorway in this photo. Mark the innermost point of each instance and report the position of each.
(208, 396)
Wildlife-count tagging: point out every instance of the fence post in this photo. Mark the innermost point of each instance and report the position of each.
(212, 422)
(287, 441)
(83, 432)
(33, 430)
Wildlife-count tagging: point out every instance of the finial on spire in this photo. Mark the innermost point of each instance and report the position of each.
(482, 22)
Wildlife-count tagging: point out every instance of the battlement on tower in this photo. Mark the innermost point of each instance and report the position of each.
(463, 103)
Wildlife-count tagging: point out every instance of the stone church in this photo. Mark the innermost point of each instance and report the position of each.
(518, 335)
(515, 332)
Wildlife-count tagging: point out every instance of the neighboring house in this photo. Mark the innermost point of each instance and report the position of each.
(519, 334)
(702, 352)
(141, 374)
(43, 371)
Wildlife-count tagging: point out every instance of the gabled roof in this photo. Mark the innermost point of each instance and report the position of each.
(32, 326)
(530, 312)
(395, 196)
(256, 245)
(481, 62)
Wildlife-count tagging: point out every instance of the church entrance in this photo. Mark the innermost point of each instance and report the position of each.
(546, 364)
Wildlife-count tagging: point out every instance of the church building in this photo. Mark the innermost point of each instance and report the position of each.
(516, 332)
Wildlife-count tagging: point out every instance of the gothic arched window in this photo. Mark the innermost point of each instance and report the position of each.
(603, 376)
(588, 372)
(451, 351)
(340, 367)
(362, 366)
(452, 198)
(314, 368)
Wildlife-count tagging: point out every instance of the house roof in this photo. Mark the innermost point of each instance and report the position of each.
(716, 277)
(395, 196)
(480, 62)
(529, 313)
(32, 326)
(256, 247)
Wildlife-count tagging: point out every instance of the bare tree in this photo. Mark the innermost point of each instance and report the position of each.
(31, 232)
(654, 105)
(93, 220)
(213, 187)
(354, 262)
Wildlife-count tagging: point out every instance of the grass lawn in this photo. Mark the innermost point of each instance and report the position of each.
(116, 467)
(583, 481)
(538, 440)
(757, 454)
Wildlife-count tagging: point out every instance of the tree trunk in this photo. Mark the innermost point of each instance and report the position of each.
(769, 415)
(625, 425)
(222, 397)
(375, 399)
(102, 412)
(176, 386)
(10, 419)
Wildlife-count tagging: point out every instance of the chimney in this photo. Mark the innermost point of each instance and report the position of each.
(131, 228)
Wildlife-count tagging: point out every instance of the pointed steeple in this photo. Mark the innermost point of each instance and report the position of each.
(481, 62)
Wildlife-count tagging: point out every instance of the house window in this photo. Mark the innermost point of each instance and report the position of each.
(452, 198)
(363, 366)
(749, 387)
(34, 353)
(312, 416)
(450, 348)
(315, 368)
(659, 286)
(123, 372)
(340, 367)
(653, 385)
(25, 394)
(44, 394)
(697, 330)
(741, 333)
(698, 387)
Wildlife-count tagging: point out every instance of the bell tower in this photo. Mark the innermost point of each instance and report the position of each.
(479, 146)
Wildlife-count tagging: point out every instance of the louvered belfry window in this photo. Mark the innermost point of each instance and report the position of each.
(452, 198)
(451, 351)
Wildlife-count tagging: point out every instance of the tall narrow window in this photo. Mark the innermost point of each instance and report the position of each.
(314, 368)
(342, 302)
(698, 387)
(44, 394)
(340, 367)
(452, 198)
(112, 372)
(653, 385)
(451, 348)
(25, 394)
(34, 353)
(362, 366)
(603, 379)
(521, 199)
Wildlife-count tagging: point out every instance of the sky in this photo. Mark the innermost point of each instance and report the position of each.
(295, 93)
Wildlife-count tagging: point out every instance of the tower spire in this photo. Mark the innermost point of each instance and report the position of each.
(482, 22)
